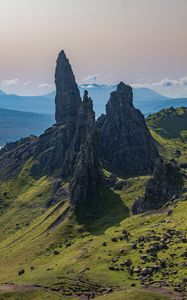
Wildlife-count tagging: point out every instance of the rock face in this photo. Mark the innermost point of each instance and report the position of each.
(166, 185)
(51, 149)
(82, 160)
(69, 149)
(68, 97)
(53, 144)
(126, 146)
(14, 155)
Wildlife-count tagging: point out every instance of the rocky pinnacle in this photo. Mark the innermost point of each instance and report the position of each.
(126, 146)
(68, 97)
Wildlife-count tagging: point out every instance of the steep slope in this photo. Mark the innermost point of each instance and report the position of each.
(169, 128)
(170, 123)
(70, 255)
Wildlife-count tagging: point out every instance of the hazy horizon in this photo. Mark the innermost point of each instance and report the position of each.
(139, 42)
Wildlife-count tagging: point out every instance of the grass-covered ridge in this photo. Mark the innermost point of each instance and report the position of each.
(170, 123)
(169, 128)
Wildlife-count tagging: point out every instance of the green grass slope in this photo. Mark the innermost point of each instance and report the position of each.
(99, 249)
(169, 128)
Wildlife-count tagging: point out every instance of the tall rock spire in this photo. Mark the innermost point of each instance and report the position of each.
(126, 145)
(68, 97)
(82, 160)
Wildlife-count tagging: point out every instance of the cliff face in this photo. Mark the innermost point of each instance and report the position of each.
(69, 149)
(14, 155)
(82, 160)
(166, 185)
(53, 144)
(126, 146)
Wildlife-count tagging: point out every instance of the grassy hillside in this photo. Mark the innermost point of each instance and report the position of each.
(169, 128)
(70, 254)
(101, 249)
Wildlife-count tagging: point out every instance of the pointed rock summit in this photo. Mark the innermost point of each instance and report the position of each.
(54, 143)
(126, 146)
(68, 97)
(70, 147)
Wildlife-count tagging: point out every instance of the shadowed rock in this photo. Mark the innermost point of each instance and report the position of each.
(126, 146)
(54, 143)
(68, 97)
(82, 161)
(166, 185)
(14, 155)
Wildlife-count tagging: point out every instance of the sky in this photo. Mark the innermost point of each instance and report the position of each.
(140, 42)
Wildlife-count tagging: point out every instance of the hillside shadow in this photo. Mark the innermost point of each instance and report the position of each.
(104, 210)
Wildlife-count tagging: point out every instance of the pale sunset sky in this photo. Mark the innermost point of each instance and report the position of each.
(141, 42)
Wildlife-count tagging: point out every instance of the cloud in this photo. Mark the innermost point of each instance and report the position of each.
(10, 82)
(28, 82)
(166, 82)
(90, 78)
(183, 80)
(108, 76)
(45, 85)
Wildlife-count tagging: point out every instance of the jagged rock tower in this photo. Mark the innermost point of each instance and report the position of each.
(68, 98)
(82, 159)
(54, 143)
(126, 146)
(69, 149)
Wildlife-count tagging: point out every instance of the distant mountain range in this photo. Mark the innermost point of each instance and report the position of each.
(37, 104)
(17, 124)
(24, 115)
(147, 100)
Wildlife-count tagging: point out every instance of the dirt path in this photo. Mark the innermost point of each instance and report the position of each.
(11, 287)
(167, 292)
(16, 287)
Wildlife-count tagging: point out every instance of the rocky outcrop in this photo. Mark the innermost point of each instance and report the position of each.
(126, 146)
(82, 160)
(51, 149)
(68, 97)
(69, 149)
(14, 155)
(165, 186)
(54, 143)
